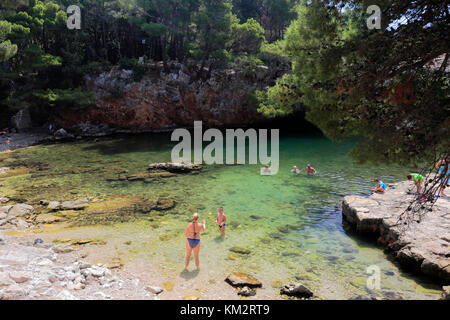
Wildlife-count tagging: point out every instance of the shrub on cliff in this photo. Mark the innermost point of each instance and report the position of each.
(69, 98)
(139, 69)
(247, 37)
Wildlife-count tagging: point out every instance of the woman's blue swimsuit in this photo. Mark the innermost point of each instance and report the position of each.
(193, 242)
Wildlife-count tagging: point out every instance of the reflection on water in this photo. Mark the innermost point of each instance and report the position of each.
(291, 224)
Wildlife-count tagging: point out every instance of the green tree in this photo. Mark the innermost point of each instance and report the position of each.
(247, 37)
(7, 49)
(213, 27)
(371, 83)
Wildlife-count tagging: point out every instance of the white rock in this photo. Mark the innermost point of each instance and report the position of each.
(20, 210)
(66, 295)
(45, 262)
(79, 286)
(60, 248)
(83, 265)
(54, 205)
(19, 277)
(101, 295)
(21, 223)
(5, 210)
(13, 291)
(155, 290)
(97, 272)
(79, 279)
(71, 276)
(5, 280)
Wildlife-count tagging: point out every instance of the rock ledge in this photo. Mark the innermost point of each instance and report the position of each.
(423, 247)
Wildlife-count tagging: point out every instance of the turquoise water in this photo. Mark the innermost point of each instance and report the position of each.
(291, 224)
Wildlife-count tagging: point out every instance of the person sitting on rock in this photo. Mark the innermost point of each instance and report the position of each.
(418, 181)
(379, 187)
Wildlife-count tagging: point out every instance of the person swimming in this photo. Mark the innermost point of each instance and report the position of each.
(379, 187)
(7, 142)
(295, 170)
(221, 221)
(310, 170)
(192, 234)
(265, 171)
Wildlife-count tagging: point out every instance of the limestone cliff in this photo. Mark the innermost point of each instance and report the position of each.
(169, 99)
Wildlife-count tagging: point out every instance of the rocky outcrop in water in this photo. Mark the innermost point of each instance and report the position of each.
(296, 290)
(237, 279)
(165, 100)
(175, 167)
(423, 247)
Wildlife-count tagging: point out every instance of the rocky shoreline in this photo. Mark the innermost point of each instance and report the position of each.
(46, 271)
(421, 247)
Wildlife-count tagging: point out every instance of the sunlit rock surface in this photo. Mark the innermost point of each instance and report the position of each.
(424, 246)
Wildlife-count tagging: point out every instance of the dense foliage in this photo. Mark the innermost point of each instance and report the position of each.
(43, 64)
(384, 84)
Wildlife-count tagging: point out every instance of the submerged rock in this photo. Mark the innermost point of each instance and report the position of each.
(237, 279)
(175, 167)
(240, 250)
(389, 295)
(44, 218)
(164, 204)
(75, 205)
(246, 292)
(297, 290)
(54, 205)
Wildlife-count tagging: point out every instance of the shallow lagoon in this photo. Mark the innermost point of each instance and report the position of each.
(291, 224)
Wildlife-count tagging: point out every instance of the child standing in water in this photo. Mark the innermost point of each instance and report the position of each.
(221, 221)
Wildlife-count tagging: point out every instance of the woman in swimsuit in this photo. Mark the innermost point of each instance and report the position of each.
(193, 239)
